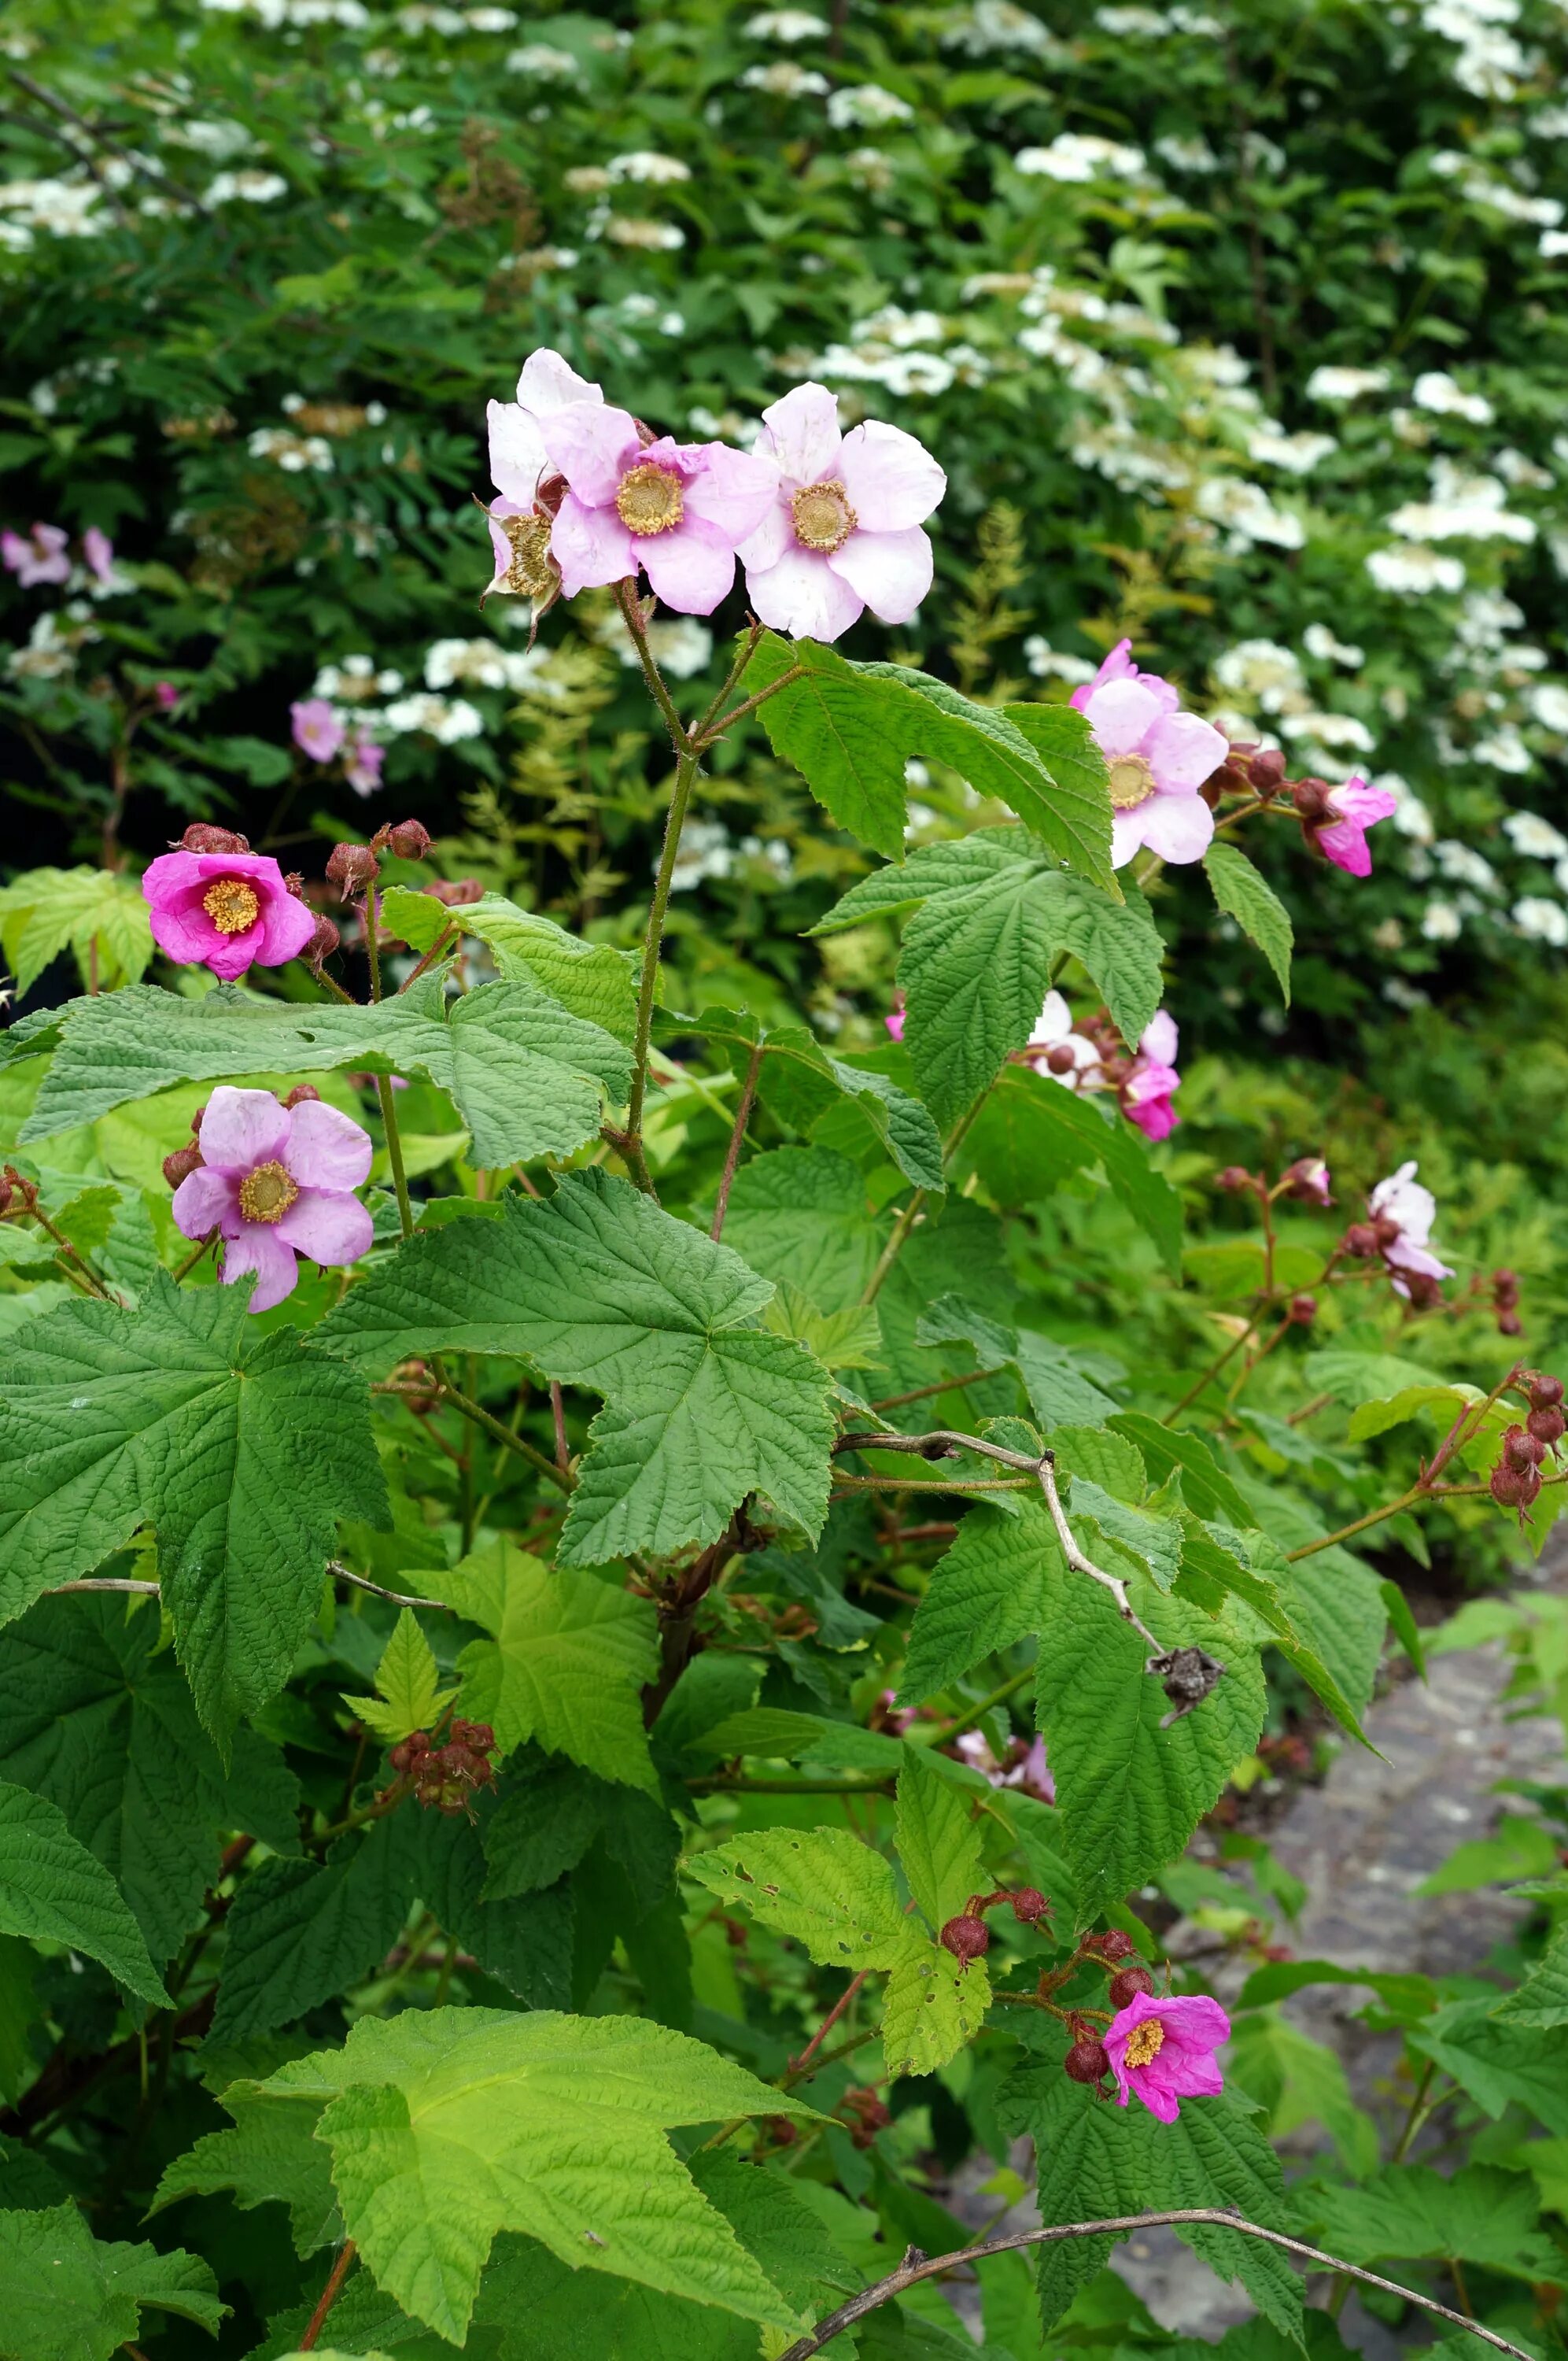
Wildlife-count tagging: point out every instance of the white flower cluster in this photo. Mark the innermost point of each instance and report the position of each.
(350, 16)
(990, 27)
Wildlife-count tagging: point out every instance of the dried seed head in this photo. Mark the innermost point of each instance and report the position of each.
(967, 1938)
(1086, 2060)
(351, 867)
(1126, 1986)
(1029, 1906)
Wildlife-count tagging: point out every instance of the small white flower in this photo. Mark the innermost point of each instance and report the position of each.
(648, 236)
(541, 61)
(1435, 390)
(1542, 921)
(247, 188)
(1080, 156)
(786, 25)
(1047, 664)
(1248, 514)
(1342, 731)
(447, 720)
(646, 165)
(1440, 923)
(1548, 703)
(784, 78)
(1504, 749)
(1297, 453)
(1535, 837)
(1319, 641)
(1189, 153)
(1330, 384)
(866, 107)
(1414, 570)
(1462, 866)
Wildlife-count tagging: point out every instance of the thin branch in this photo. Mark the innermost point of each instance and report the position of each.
(732, 678)
(399, 1599)
(917, 2267)
(104, 1582)
(329, 2295)
(686, 770)
(141, 165)
(740, 712)
(942, 1386)
(742, 1117)
(631, 607)
(563, 1479)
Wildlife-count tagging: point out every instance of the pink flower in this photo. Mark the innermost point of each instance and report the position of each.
(276, 1182)
(1068, 1057)
(362, 762)
(165, 694)
(1308, 1181)
(520, 524)
(895, 1024)
(842, 532)
(1152, 1081)
(679, 511)
(1163, 2050)
(1032, 1773)
(39, 557)
(1355, 807)
(98, 553)
(318, 732)
(1157, 758)
(1406, 1201)
(223, 910)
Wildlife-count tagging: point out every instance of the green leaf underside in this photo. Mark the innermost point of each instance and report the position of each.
(239, 1449)
(598, 1287)
(850, 729)
(529, 1077)
(1245, 895)
(53, 1888)
(70, 2297)
(449, 2126)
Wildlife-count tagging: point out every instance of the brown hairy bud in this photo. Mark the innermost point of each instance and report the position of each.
(1266, 771)
(967, 1938)
(182, 1164)
(1521, 1450)
(1088, 2059)
(301, 1093)
(1234, 1179)
(408, 839)
(1109, 1945)
(1029, 1906)
(871, 2115)
(202, 836)
(5, 1193)
(351, 867)
(1302, 1309)
(476, 1735)
(1514, 1487)
(1361, 1240)
(323, 943)
(1310, 798)
(1509, 1325)
(1128, 1985)
(407, 1749)
(1060, 1060)
(1505, 1289)
(1545, 1393)
(1424, 1291)
(1386, 1230)
(1547, 1427)
(455, 892)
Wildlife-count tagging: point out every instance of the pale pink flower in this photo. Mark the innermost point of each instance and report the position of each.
(1355, 807)
(1032, 1773)
(362, 761)
(276, 1182)
(1068, 1057)
(98, 555)
(1163, 2050)
(318, 732)
(842, 532)
(519, 525)
(895, 1024)
(678, 511)
(223, 910)
(1157, 758)
(38, 556)
(1152, 1081)
(1404, 1200)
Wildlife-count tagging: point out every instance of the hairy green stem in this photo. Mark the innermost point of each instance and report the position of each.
(680, 798)
(737, 1133)
(563, 1479)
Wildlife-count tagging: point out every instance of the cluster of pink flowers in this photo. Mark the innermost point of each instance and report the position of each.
(319, 731)
(276, 1179)
(1146, 1084)
(42, 554)
(825, 524)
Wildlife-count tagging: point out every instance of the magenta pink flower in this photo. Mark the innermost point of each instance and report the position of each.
(895, 1023)
(165, 694)
(1157, 758)
(1308, 1181)
(1152, 1081)
(842, 531)
(1163, 2050)
(317, 731)
(98, 555)
(1355, 807)
(520, 524)
(223, 910)
(362, 762)
(38, 556)
(276, 1182)
(678, 511)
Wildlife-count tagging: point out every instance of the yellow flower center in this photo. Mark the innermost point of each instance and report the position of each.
(531, 573)
(1131, 780)
(1144, 2042)
(266, 1195)
(648, 499)
(231, 904)
(823, 517)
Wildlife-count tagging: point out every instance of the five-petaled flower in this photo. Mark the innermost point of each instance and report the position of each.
(276, 1182)
(842, 530)
(1163, 2051)
(521, 522)
(1157, 758)
(317, 731)
(36, 557)
(223, 910)
(1354, 809)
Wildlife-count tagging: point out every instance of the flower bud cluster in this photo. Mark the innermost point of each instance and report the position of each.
(868, 2115)
(447, 1777)
(1505, 1302)
(967, 1936)
(1515, 1481)
(1088, 2061)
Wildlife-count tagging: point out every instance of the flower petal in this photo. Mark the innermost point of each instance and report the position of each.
(593, 445)
(591, 546)
(1127, 832)
(183, 929)
(259, 1248)
(286, 927)
(1121, 715)
(690, 568)
(803, 430)
(1179, 828)
(327, 1225)
(890, 571)
(802, 595)
(206, 1200)
(893, 481)
(233, 954)
(734, 491)
(767, 545)
(1183, 749)
(549, 382)
(1159, 1038)
(242, 1128)
(1345, 843)
(327, 1148)
(518, 456)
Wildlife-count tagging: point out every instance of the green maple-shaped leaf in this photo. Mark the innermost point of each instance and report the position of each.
(567, 1658)
(269, 2154)
(239, 1449)
(599, 1287)
(449, 2126)
(410, 1695)
(66, 2296)
(48, 911)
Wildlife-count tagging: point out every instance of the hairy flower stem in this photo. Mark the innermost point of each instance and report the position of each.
(738, 1134)
(631, 607)
(184, 1270)
(680, 798)
(329, 2295)
(563, 1479)
(395, 1152)
(74, 1265)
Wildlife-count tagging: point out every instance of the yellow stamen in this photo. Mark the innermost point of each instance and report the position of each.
(231, 904)
(1144, 2042)
(648, 499)
(266, 1194)
(531, 573)
(1131, 781)
(823, 517)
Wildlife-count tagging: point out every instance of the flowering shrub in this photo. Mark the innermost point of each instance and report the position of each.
(679, 1638)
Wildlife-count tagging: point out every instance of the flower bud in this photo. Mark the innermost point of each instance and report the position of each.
(1514, 1487)
(407, 1749)
(1088, 2059)
(1029, 1906)
(1060, 1060)
(1546, 1426)
(322, 943)
(477, 1735)
(1233, 1178)
(1310, 798)
(1545, 1393)
(1509, 1325)
(1126, 1987)
(202, 836)
(1361, 1240)
(1505, 1289)
(455, 892)
(1110, 1945)
(165, 694)
(1302, 1309)
(408, 839)
(1386, 1230)
(1521, 1450)
(967, 1938)
(1266, 771)
(301, 1093)
(351, 867)
(1423, 1291)
(182, 1164)
(1307, 1180)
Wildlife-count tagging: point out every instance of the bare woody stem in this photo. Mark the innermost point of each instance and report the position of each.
(742, 1117)
(329, 2295)
(917, 2267)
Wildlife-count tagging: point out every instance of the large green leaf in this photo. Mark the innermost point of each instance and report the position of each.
(449, 2125)
(1542, 1998)
(939, 1839)
(48, 911)
(1478, 2214)
(993, 1587)
(801, 1217)
(53, 1889)
(65, 2296)
(1032, 1134)
(599, 1287)
(301, 1930)
(269, 2154)
(239, 1449)
(94, 1717)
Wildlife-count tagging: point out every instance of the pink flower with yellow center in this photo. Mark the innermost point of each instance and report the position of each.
(276, 1182)
(1162, 2050)
(223, 910)
(317, 731)
(1157, 758)
(520, 522)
